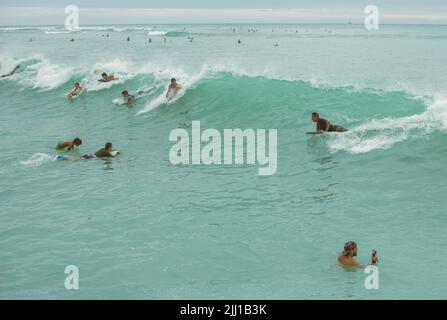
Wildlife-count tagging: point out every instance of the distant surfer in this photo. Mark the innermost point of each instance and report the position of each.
(173, 88)
(12, 72)
(324, 125)
(77, 89)
(69, 145)
(107, 78)
(346, 257)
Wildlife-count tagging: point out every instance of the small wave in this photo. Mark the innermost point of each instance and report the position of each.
(185, 80)
(38, 72)
(157, 33)
(384, 133)
(38, 159)
(50, 76)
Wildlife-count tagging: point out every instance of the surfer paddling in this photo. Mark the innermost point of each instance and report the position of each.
(69, 145)
(324, 125)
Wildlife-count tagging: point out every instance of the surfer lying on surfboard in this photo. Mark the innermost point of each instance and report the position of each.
(173, 88)
(324, 125)
(106, 152)
(77, 89)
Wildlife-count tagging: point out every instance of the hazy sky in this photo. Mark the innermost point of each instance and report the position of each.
(35, 12)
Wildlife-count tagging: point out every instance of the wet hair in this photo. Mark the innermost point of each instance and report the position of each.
(124, 92)
(315, 114)
(104, 74)
(349, 246)
(77, 141)
(108, 145)
(77, 84)
(173, 79)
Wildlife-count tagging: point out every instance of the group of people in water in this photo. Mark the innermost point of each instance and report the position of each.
(106, 152)
(346, 258)
(173, 88)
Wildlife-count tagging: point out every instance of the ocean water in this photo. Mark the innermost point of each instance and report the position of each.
(137, 226)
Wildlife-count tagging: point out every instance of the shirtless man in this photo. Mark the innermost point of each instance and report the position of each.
(69, 145)
(105, 152)
(324, 125)
(346, 258)
(174, 87)
(77, 89)
(107, 78)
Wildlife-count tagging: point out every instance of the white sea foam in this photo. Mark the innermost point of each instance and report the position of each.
(38, 159)
(164, 75)
(157, 33)
(384, 133)
(118, 68)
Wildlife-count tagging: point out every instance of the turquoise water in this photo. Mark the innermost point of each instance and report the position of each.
(137, 226)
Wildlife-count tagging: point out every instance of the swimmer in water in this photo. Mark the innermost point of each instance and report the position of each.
(12, 72)
(69, 145)
(131, 97)
(107, 78)
(174, 87)
(77, 89)
(128, 98)
(104, 152)
(324, 125)
(346, 257)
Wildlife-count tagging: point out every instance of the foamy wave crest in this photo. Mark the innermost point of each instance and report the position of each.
(164, 75)
(117, 67)
(157, 33)
(384, 133)
(50, 76)
(39, 73)
(38, 159)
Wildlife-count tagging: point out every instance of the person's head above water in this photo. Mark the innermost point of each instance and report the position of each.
(77, 85)
(104, 75)
(173, 81)
(77, 142)
(350, 249)
(108, 146)
(125, 93)
(315, 116)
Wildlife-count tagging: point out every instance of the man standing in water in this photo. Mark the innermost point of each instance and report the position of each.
(346, 258)
(324, 125)
(173, 88)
